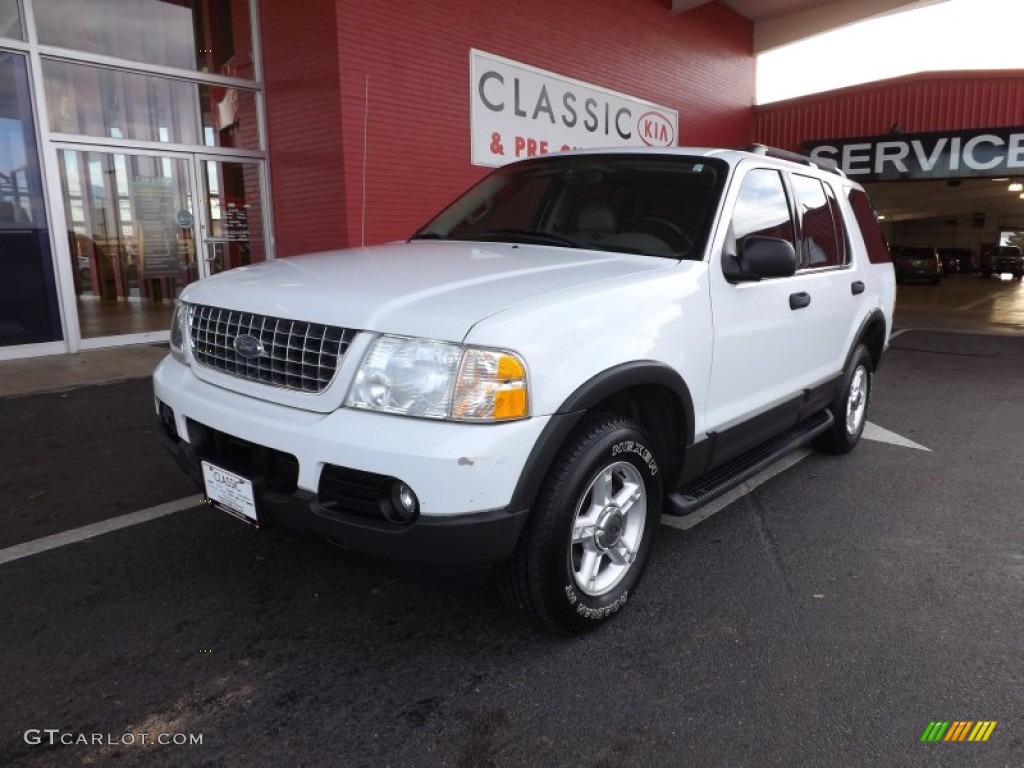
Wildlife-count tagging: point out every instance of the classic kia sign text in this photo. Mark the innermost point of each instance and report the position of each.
(519, 111)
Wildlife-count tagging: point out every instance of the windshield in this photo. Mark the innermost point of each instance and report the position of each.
(659, 205)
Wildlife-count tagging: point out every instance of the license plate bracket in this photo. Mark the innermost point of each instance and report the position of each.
(231, 493)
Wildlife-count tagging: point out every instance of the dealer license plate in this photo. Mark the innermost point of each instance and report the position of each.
(231, 493)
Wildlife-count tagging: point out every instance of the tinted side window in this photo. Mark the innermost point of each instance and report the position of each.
(762, 208)
(819, 246)
(867, 220)
(842, 236)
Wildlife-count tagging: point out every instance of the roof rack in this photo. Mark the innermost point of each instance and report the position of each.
(782, 154)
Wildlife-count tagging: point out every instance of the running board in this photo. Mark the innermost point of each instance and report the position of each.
(729, 475)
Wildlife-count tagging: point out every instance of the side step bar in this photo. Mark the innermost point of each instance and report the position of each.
(729, 475)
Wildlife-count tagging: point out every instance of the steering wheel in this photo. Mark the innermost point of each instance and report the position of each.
(660, 228)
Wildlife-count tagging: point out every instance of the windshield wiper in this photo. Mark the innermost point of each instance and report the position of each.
(429, 236)
(530, 236)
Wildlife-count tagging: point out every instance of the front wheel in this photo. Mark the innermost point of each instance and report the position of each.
(850, 408)
(591, 530)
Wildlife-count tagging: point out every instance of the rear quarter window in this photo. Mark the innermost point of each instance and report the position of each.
(870, 229)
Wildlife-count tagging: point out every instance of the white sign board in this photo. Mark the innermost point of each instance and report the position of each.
(519, 111)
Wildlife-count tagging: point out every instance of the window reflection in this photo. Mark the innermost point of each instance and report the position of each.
(95, 101)
(204, 35)
(762, 208)
(130, 249)
(234, 211)
(10, 20)
(28, 301)
(104, 102)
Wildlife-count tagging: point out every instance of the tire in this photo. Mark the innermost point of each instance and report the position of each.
(850, 408)
(591, 530)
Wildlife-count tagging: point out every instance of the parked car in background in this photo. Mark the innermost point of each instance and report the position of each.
(955, 260)
(917, 262)
(1003, 258)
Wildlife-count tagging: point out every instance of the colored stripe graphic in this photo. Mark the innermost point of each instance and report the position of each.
(982, 730)
(958, 730)
(935, 730)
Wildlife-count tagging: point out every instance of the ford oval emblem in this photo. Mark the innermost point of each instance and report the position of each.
(656, 130)
(248, 346)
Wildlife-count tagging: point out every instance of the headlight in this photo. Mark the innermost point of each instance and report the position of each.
(440, 380)
(179, 332)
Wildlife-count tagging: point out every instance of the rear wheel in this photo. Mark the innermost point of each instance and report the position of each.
(591, 530)
(850, 408)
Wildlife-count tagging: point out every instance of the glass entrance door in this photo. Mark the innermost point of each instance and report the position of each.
(232, 231)
(141, 226)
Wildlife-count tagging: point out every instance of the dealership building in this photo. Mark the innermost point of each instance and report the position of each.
(145, 144)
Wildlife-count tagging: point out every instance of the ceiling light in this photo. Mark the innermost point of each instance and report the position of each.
(1002, 178)
(1016, 187)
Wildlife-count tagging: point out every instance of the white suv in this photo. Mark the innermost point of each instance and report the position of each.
(577, 345)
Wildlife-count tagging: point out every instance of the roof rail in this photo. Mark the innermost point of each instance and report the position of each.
(782, 154)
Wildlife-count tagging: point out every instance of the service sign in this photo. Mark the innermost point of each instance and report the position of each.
(519, 111)
(936, 155)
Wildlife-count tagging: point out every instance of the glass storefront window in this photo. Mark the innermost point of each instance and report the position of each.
(28, 295)
(131, 237)
(136, 236)
(201, 35)
(104, 102)
(10, 20)
(95, 101)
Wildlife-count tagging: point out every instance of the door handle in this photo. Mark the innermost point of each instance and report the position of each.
(799, 300)
(856, 287)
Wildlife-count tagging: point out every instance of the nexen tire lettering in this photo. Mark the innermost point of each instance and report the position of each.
(628, 446)
(600, 613)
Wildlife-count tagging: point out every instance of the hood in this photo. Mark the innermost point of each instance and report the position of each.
(430, 289)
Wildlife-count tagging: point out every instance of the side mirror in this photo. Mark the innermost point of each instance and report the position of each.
(762, 257)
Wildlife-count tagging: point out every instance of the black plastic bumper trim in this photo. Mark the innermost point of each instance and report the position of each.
(457, 541)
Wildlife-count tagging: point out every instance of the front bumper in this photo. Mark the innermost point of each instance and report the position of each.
(463, 474)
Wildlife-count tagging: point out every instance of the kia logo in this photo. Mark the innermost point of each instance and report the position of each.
(656, 130)
(248, 346)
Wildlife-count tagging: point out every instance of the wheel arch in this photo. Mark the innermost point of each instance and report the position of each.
(649, 392)
(872, 336)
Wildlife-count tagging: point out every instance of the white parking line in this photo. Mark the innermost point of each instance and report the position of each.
(972, 304)
(871, 432)
(96, 529)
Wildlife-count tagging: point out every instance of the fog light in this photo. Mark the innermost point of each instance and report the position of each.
(404, 504)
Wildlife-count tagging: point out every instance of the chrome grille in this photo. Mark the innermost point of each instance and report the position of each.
(295, 354)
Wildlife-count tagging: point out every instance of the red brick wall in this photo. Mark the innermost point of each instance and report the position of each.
(918, 103)
(403, 71)
(303, 107)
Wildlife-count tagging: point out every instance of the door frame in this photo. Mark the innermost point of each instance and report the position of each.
(203, 237)
(194, 162)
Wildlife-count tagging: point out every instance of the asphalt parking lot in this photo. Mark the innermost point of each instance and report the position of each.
(825, 618)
